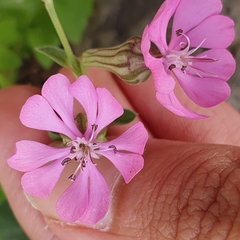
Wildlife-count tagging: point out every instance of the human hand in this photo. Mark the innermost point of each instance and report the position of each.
(187, 189)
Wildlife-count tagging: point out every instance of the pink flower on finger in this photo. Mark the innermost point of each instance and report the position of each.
(87, 199)
(196, 25)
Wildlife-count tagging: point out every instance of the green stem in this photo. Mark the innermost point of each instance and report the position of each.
(62, 36)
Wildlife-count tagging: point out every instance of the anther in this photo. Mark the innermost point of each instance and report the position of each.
(113, 148)
(183, 69)
(94, 127)
(172, 66)
(66, 161)
(84, 163)
(179, 32)
(73, 149)
(72, 177)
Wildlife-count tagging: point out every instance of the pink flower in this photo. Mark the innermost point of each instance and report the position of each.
(87, 198)
(196, 25)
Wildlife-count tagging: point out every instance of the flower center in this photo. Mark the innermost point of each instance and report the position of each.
(182, 58)
(83, 150)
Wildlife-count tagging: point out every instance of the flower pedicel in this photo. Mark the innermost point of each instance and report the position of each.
(87, 199)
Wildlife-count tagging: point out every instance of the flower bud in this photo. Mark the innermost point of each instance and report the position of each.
(125, 60)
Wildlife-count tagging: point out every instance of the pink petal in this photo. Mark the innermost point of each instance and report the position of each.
(190, 13)
(55, 91)
(37, 113)
(145, 47)
(108, 109)
(84, 91)
(206, 92)
(223, 68)
(99, 197)
(218, 31)
(171, 102)
(74, 201)
(164, 83)
(129, 164)
(158, 27)
(40, 182)
(133, 140)
(31, 155)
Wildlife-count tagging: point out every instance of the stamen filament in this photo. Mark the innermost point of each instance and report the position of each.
(183, 60)
(81, 165)
(196, 48)
(94, 128)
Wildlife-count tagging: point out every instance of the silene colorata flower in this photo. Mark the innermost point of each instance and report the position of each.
(87, 198)
(195, 57)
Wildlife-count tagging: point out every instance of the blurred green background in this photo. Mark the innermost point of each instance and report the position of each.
(25, 24)
(9, 228)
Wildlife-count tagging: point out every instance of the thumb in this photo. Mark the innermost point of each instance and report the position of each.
(185, 190)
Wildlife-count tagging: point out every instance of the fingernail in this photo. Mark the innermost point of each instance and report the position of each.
(47, 206)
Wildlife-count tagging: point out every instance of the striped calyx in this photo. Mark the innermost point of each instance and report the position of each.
(125, 60)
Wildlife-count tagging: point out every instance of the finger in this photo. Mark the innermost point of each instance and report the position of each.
(9, 135)
(166, 192)
(11, 101)
(222, 126)
(185, 190)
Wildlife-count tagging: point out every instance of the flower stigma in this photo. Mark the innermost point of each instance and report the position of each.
(183, 58)
(83, 150)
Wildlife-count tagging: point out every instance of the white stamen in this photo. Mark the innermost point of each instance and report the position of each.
(83, 150)
(183, 60)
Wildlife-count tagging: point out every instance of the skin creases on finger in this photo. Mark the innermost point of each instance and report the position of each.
(185, 191)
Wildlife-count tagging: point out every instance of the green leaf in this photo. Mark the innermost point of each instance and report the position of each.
(127, 117)
(9, 60)
(65, 139)
(22, 5)
(58, 55)
(41, 33)
(54, 136)
(76, 21)
(101, 137)
(9, 28)
(9, 227)
(7, 78)
(81, 121)
(2, 196)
